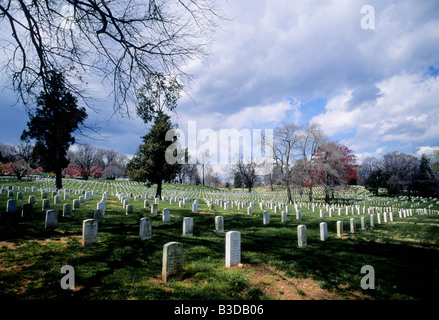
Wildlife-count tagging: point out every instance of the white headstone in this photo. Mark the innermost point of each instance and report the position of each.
(166, 215)
(101, 206)
(266, 217)
(352, 225)
(301, 236)
(57, 199)
(323, 231)
(188, 226)
(98, 216)
(233, 248)
(67, 210)
(283, 217)
(339, 228)
(363, 223)
(76, 204)
(89, 232)
(32, 199)
(51, 221)
(129, 209)
(11, 205)
(219, 224)
(172, 263)
(46, 204)
(145, 229)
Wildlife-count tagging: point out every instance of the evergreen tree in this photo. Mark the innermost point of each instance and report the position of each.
(375, 181)
(56, 118)
(425, 182)
(149, 162)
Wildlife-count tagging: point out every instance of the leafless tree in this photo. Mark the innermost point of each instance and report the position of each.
(119, 43)
(369, 165)
(7, 153)
(286, 150)
(246, 171)
(311, 140)
(212, 179)
(85, 158)
(401, 169)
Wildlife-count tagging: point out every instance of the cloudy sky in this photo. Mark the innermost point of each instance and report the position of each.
(373, 90)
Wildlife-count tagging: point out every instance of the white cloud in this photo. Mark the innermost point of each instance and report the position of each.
(426, 150)
(405, 113)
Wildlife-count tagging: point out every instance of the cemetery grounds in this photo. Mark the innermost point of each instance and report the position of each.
(403, 252)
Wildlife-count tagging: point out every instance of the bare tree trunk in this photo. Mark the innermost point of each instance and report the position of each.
(158, 193)
(58, 169)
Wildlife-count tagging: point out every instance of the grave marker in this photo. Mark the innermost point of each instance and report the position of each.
(323, 231)
(301, 236)
(67, 210)
(51, 221)
(233, 248)
(283, 217)
(188, 225)
(166, 215)
(76, 204)
(145, 229)
(89, 232)
(32, 199)
(219, 224)
(26, 211)
(266, 217)
(172, 263)
(363, 223)
(46, 204)
(98, 216)
(11, 206)
(340, 229)
(352, 225)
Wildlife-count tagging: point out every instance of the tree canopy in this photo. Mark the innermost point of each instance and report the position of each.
(53, 124)
(121, 43)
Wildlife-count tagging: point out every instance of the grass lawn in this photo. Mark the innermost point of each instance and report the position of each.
(404, 254)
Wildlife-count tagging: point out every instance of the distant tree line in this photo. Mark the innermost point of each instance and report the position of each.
(401, 174)
(84, 162)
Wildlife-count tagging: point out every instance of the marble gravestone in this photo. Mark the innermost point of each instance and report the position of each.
(89, 232)
(233, 248)
(51, 221)
(172, 263)
(145, 229)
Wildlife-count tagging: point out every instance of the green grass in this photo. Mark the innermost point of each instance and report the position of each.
(121, 266)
